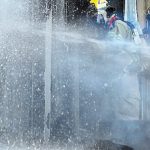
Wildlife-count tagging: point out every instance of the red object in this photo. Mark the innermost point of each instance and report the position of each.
(112, 20)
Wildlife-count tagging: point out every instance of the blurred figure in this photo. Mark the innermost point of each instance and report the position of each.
(101, 17)
(148, 21)
(95, 26)
(117, 28)
(146, 30)
(96, 17)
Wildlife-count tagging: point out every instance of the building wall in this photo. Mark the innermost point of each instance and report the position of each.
(142, 6)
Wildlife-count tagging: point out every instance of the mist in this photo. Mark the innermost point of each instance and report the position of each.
(62, 83)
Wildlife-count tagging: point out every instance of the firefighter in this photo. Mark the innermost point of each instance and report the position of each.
(100, 5)
(117, 28)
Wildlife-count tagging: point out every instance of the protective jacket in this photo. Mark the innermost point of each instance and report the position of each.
(119, 30)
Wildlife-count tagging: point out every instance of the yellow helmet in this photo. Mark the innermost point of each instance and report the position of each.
(99, 3)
